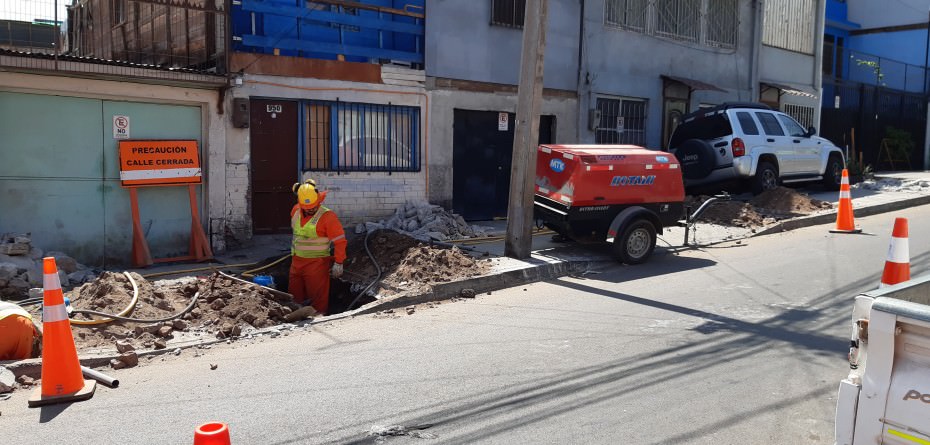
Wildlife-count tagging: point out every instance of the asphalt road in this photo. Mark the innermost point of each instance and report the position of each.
(732, 344)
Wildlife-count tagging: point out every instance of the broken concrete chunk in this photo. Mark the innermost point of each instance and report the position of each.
(468, 293)
(25, 380)
(218, 304)
(129, 358)
(160, 343)
(180, 325)
(165, 331)
(14, 249)
(8, 271)
(64, 262)
(124, 346)
(117, 364)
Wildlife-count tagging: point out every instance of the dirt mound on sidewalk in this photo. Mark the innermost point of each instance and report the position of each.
(407, 264)
(785, 201)
(726, 213)
(223, 308)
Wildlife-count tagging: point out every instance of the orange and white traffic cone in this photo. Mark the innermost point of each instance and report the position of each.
(213, 433)
(845, 222)
(62, 380)
(898, 264)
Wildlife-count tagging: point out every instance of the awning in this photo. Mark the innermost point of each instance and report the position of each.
(693, 84)
(784, 89)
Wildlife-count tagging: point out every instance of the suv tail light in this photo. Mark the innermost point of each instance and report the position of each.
(739, 148)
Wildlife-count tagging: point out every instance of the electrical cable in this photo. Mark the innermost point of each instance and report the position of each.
(251, 273)
(377, 267)
(199, 269)
(120, 316)
(137, 320)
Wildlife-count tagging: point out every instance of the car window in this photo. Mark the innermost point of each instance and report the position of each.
(770, 124)
(705, 128)
(747, 123)
(794, 129)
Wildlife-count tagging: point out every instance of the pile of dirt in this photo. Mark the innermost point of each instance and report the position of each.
(783, 201)
(223, 308)
(726, 213)
(766, 208)
(407, 264)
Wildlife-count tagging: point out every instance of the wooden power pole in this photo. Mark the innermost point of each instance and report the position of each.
(519, 241)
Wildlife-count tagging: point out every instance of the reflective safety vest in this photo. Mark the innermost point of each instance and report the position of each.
(10, 309)
(307, 244)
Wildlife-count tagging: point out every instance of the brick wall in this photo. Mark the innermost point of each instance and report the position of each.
(359, 197)
(238, 217)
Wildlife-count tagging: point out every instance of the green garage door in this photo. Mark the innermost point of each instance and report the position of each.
(59, 176)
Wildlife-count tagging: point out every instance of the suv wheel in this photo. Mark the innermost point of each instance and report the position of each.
(766, 178)
(833, 174)
(637, 242)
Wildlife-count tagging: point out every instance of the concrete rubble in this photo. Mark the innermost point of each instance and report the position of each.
(21, 268)
(894, 185)
(425, 221)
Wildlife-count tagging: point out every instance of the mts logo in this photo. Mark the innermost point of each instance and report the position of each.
(916, 395)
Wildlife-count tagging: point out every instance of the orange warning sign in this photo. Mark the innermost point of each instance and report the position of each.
(158, 162)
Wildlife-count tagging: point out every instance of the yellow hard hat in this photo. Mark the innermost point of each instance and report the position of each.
(307, 196)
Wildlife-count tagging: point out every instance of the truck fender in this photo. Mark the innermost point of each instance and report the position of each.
(631, 214)
(825, 157)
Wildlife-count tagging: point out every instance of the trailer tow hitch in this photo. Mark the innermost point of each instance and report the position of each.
(691, 218)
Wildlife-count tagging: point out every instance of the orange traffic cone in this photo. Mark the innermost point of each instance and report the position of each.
(62, 380)
(845, 223)
(213, 433)
(898, 263)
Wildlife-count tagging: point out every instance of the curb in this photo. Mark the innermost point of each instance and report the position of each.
(485, 283)
(824, 218)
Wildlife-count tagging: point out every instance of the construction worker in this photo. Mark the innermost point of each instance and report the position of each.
(318, 248)
(20, 338)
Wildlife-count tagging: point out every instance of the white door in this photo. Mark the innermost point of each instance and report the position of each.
(806, 150)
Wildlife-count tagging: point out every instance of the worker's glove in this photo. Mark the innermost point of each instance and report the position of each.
(337, 270)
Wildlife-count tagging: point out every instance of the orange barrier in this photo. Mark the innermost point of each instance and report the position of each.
(212, 433)
(62, 380)
(898, 264)
(845, 222)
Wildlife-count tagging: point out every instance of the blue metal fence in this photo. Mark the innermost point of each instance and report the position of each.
(347, 136)
(360, 31)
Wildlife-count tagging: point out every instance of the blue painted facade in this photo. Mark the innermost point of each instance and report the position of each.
(319, 31)
(893, 60)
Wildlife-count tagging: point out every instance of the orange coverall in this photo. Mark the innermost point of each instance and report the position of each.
(308, 279)
(18, 334)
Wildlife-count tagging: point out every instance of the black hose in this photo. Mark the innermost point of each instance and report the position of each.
(377, 266)
(140, 320)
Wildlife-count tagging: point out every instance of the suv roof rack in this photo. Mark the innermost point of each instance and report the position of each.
(723, 107)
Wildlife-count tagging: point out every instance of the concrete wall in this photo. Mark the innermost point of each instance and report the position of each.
(354, 196)
(442, 108)
(461, 44)
(213, 150)
(623, 63)
(788, 67)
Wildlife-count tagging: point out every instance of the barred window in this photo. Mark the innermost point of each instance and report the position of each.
(629, 14)
(789, 24)
(722, 23)
(343, 136)
(623, 121)
(713, 23)
(804, 115)
(508, 12)
(679, 19)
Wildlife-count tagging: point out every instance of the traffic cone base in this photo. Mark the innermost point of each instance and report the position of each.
(846, 231)
(85, 393)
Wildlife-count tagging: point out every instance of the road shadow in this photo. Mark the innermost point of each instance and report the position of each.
(50, 412)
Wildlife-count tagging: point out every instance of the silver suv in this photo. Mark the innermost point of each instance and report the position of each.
(751, 142)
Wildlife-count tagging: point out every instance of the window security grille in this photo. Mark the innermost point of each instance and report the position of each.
(804, 115)
(712, 23)
(343, 136)
(508, 12)
(623, 121)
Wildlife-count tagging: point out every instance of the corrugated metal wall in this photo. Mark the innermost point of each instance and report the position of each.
(789, 24)
(59, 176)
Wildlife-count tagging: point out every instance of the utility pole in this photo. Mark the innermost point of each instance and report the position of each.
(519, 240)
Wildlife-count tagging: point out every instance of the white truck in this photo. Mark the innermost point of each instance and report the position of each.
(885, 399)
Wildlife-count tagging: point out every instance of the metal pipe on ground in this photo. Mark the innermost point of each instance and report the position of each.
(100, 377)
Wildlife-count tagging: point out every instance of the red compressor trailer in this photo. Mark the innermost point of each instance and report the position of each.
(619, 194)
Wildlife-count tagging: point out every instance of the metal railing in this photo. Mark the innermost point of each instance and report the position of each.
(713, 23)
(843, 63)
(170, 39)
